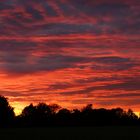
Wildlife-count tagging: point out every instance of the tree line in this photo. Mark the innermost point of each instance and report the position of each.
(44, 115)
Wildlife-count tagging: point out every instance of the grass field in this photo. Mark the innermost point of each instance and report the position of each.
(71, 133)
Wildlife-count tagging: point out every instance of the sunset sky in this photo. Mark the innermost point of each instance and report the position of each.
(70, 52)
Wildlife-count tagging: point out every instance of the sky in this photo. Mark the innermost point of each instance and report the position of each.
(70, 52)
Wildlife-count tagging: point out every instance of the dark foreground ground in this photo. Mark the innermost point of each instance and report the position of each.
(71, 133)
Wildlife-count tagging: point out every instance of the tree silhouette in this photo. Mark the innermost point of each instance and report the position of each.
(6, 112)
(64, 117)
(131, 114)
(87, 109)
(28, 111)
(43, 115)
(54, 108)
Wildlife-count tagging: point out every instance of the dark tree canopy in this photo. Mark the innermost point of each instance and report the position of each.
(45, 115)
